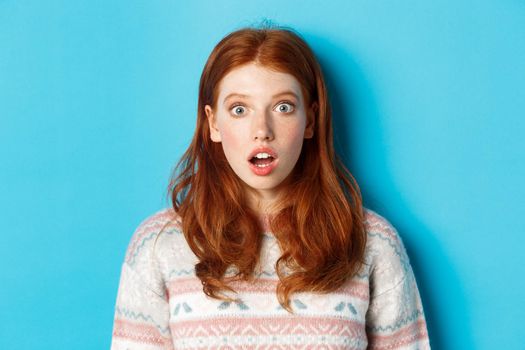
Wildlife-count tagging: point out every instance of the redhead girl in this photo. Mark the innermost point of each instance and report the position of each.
(267, 244)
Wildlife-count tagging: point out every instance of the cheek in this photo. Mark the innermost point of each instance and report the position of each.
(295, 137)
(231, 141)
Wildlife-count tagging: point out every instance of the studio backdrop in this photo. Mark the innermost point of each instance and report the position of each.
(98, 102)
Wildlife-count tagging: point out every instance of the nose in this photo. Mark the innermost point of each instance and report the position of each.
(262, 128)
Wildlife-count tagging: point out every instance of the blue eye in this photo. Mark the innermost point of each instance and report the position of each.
(237, 110)
(285, 107)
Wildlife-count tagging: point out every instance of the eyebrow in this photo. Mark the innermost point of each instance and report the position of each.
(274, 96)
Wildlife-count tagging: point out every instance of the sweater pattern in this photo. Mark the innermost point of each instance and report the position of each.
(161, 305)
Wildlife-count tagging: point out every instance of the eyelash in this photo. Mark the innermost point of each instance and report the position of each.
(292, 106)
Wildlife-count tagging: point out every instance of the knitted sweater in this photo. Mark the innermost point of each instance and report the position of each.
(161, 305)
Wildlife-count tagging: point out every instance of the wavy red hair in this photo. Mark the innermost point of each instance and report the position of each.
(318, 220)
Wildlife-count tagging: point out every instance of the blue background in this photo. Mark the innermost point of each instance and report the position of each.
(98, 102)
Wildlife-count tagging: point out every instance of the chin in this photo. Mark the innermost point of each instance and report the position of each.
(263, 184)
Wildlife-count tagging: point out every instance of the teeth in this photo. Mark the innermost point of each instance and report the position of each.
(262, 165)
(262, 155)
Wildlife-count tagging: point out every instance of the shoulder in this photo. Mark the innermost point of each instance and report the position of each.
(148, 233)
(385, 252)
(379, 229)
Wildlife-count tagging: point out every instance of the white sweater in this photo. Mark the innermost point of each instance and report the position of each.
(160, 303)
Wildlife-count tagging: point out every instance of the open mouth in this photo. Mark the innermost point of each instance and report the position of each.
(262, 162)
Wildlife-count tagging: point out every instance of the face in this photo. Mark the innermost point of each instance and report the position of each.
(261, 121)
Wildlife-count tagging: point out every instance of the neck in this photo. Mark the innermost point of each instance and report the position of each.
(263, 202)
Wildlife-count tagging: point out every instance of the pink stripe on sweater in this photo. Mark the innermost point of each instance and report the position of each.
(261, 326)
(140, 332)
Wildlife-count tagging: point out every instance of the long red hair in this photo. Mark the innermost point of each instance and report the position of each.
(319, 222)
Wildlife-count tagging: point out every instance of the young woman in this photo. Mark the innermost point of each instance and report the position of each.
(267, 244)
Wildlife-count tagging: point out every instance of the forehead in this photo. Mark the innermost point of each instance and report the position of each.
(257, 81)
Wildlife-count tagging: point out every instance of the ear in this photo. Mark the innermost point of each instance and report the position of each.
(215, 135)
(310, 121)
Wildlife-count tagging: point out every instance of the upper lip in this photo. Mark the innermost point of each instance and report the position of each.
(262, 149)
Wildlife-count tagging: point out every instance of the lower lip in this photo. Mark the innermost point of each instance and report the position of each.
(263, 171)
